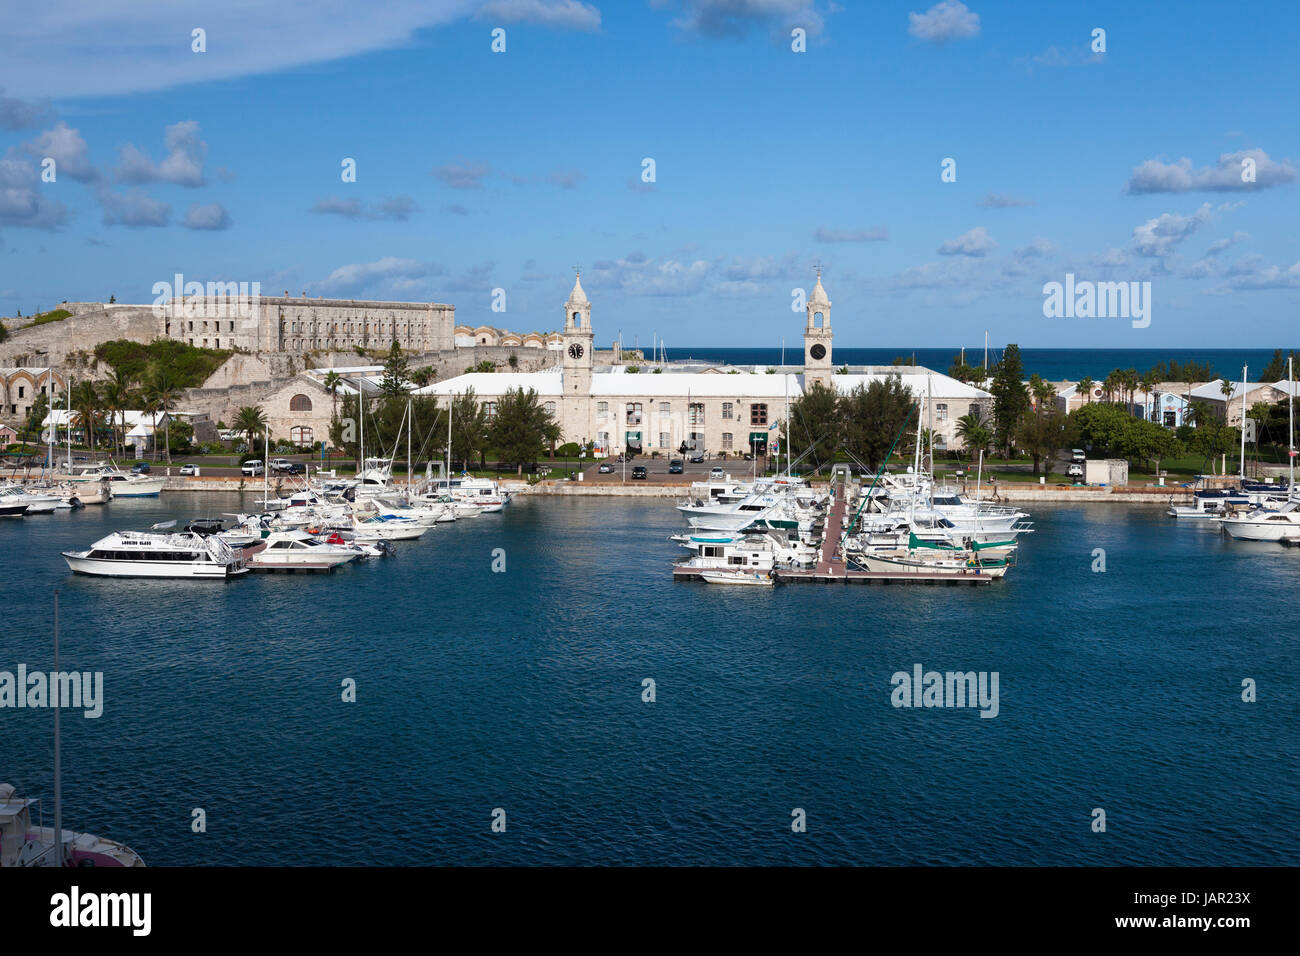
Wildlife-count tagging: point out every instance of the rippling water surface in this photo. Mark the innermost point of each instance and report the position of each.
(522, 690)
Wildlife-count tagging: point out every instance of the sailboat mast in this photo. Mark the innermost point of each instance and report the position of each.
(409, 423)
(1290, 452)
(58, 751)
(1243, 422)
(69, 426)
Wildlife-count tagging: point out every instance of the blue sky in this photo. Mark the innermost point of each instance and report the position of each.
(479, 170)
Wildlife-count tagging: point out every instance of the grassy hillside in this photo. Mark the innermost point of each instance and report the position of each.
(56, 315)
(187, 365)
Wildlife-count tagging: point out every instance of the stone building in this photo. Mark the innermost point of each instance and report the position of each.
(19, 388)
(652, 407)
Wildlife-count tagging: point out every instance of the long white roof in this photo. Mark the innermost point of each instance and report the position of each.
(617, 381)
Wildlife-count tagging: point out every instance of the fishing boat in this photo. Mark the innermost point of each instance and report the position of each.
(124, 485)
(158, 554)
(25, 843)
(936, 563)
(723, 551)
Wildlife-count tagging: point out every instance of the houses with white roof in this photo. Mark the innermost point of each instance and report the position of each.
(719, 409)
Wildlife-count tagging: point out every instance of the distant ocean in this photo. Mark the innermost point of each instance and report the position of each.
(1052, 364)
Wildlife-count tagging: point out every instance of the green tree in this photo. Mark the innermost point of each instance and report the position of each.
(117, 396)
(973, 432)
(469, 428)
(36, 414)
(872, 417)
(1010, 397)
(521, 429)
(162, 394)
(87, 403)
(816, 426)
(251, 420)
(397, 374)
(1040, 433)
(1085, 388)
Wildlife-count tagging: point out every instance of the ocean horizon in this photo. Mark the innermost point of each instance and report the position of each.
(1052, 364)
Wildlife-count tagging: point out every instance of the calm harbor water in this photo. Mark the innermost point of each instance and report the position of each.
(522, 690)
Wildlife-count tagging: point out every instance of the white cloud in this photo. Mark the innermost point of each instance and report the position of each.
(210, 216)
(559, 14)
(183, 165)
(22, 201)
(128, 46)
(1154, 176)
(649, 277)
(20, 114)
(133, 209)
(398, 208)
(875, 234)
(68, 150)
(996, 201)
(975, 243)
(735, 18)
(1158, 237)
(359, 277)
(947, 20)
(1219, 245)
(462, 175)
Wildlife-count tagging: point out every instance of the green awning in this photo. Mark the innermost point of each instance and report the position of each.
(758, 438)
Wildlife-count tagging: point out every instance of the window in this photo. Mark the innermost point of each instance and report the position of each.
(491, 409)
(602, 441)
(695, 413)
(726, 441)
(602, 409)
(300, 434)
(550, 408)
(663, 439)
(758, 414)
(940, 412)
(665, 408)
(22, 390)
(726, 410)
(634, 413)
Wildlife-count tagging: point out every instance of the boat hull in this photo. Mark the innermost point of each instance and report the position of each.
(102, 568)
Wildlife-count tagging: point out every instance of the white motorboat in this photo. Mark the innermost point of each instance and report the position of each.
(937, 563)
(37, 504)
(382, 527)
(124, 485)
(1262, 524)
(299, 549)
(150, 554)
(484, 493)
(720, 550)
(738, 576)
(23, 843)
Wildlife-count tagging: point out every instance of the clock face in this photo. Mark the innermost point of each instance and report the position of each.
(818, 351)
(575, 351)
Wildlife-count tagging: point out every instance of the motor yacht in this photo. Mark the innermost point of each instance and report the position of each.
(150, 554)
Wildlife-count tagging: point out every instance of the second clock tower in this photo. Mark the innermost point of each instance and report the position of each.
(817, 338)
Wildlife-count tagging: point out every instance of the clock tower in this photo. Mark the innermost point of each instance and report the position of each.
(579, 343)
(817, 338)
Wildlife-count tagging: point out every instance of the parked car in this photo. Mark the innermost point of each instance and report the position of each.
(190, 470)
(697, 458)
(253, 467)
(605, 468)
(294, 468)
(639, 472)
(140, 468)
(280, 464)
(1075, 470)
(675, 466)
(1078, 455)
(716, 474)
(749, 456)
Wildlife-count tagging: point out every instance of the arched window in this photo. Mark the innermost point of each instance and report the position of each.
(300, 435)
(576, 317)
(550, 408)
(300, 403)
(819, 320)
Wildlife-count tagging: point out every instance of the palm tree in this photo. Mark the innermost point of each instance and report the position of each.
(117, 394)
(973, 431)
(162, 393)
(1086, 386)
(86, 402)
(250, 420)
(1149, 381)
(333, 381)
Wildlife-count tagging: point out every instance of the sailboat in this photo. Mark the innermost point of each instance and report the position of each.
(1273, 524)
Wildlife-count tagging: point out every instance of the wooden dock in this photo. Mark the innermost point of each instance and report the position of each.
(831, 569)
